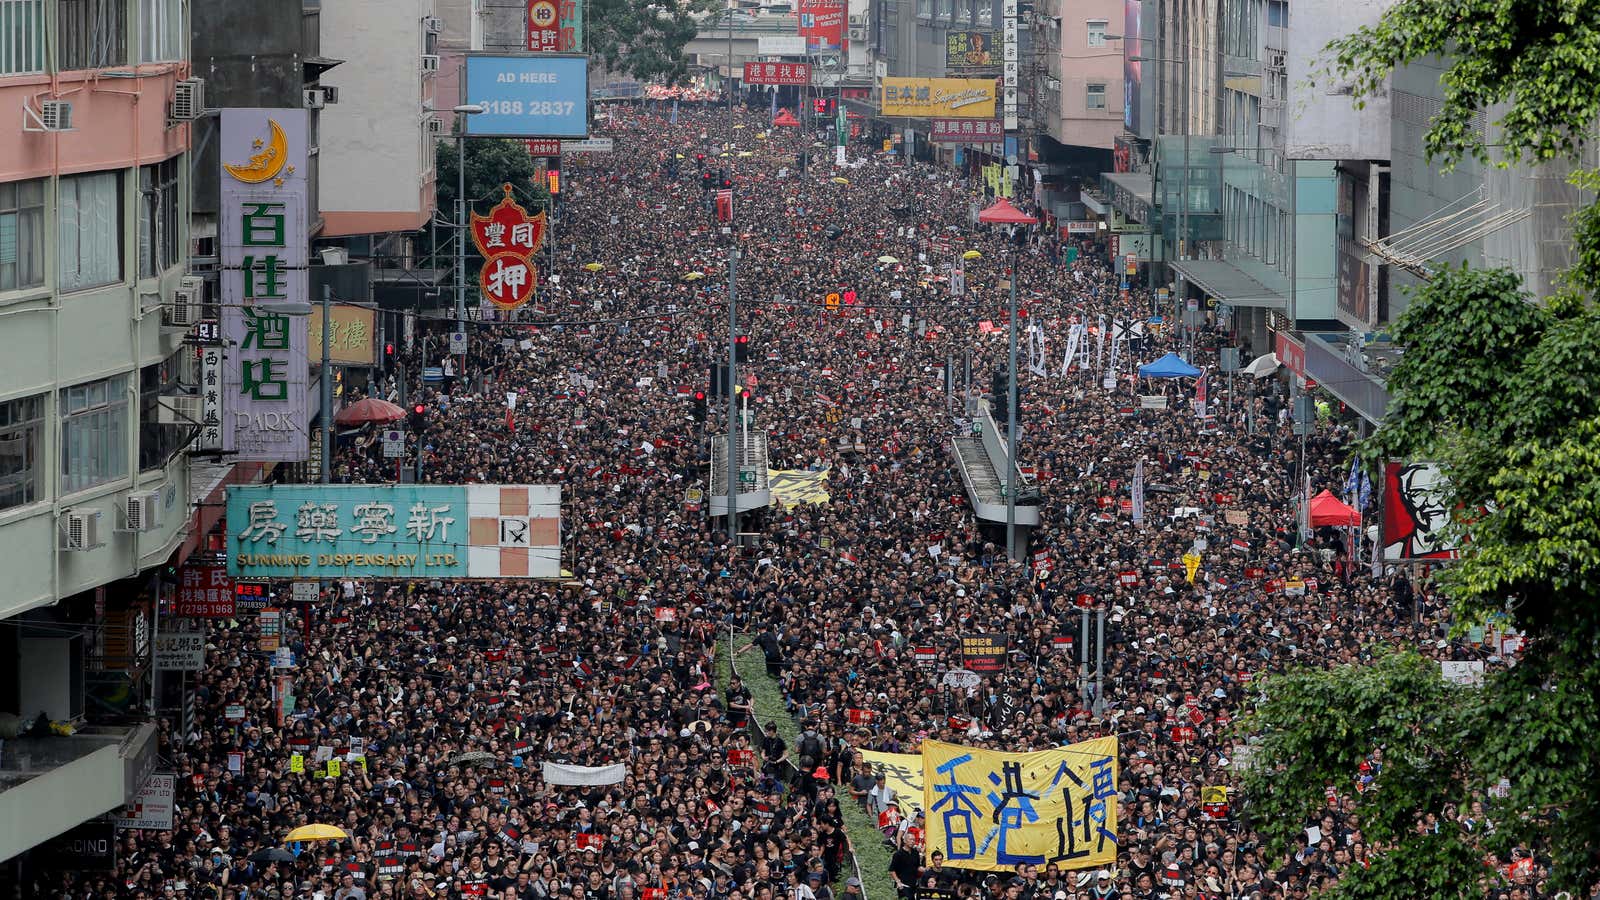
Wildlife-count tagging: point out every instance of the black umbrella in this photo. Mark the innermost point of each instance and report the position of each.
(272, 855)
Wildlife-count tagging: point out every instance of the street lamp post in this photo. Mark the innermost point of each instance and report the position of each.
(462, 111)
(1001, 212)
(1183, 179)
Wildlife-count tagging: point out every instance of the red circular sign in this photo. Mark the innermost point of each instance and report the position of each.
(507, 280)
(542, 14)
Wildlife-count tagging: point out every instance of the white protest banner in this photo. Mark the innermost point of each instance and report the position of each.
(557, 773)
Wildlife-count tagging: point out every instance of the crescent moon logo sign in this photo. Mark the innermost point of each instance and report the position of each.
(265, 165)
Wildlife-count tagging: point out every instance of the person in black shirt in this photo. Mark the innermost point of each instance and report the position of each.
(904, 866)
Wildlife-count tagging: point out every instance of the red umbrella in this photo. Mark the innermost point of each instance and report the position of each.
(786, 118)
(1001, 212)
(369, 410)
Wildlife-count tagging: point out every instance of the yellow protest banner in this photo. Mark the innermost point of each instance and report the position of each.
(297, 764)
(995, 811)
(901, 771)
(1191, 565)
(791, 487)
(334, 768)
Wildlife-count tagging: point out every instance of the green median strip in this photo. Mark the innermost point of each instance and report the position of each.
(766, 701)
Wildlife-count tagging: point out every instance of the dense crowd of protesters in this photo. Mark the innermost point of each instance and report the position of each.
(589, 672)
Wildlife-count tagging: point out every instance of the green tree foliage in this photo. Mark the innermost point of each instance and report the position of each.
(1503, 389)
(644, 40)
(1536, 55)
(491, 162)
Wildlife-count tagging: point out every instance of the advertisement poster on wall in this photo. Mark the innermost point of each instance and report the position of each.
(822, 25)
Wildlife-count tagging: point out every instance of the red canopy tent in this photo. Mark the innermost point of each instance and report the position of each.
(786, 118)
(1001, 212)
(1327, 510)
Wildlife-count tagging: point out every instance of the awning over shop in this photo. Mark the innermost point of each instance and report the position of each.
(1132, 193)
(1228, 283)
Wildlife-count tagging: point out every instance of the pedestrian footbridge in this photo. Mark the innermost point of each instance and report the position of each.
(980, 456)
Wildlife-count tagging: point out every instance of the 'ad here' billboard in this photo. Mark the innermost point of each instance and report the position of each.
(528, 95)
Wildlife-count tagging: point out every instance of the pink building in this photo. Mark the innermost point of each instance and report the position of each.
(1083, 89)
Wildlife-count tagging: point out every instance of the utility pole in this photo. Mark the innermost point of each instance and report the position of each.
(1011, 409)
(733, 400)
(327, 385)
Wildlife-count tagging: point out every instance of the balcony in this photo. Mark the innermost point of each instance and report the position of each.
(55, 783)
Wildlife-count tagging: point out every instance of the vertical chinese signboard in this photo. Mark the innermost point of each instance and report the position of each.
(509, 239)
(263, 224)
(555, 25)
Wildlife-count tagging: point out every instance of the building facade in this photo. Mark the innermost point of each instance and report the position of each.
(94, 486)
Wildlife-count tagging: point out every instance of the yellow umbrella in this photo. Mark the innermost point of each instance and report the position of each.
(694, 276)
(746, 153)
(762, 135)
(972, 254)
(722, 154)
(840, 180)
(316, 833)
(887, 259)
(739, 126)
(678, 155)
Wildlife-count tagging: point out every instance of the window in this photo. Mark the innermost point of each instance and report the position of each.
(985, 12)
(158, 218)
(94, 433)
(1277, 14)
(925, 8)
(161, 30)
(1095, 97)
(21, 441)
(1097, 32)
(157, 442)
(92, 34)
(21, 234)
(21, 36)
(91, 233)
(947, 9)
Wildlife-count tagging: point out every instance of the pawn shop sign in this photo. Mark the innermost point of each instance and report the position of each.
(508, 238)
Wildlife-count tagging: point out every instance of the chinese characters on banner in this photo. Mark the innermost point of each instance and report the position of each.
(204, 592)
(263, 224)
(777, 73)
(984, 652)
(970, 49)
(956, 98)
(966, 131)
(509, 239)
(993, 811)
(394, 531)
(211, 424)
(901, 771)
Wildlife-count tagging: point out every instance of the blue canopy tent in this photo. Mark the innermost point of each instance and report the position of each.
(1169, 366)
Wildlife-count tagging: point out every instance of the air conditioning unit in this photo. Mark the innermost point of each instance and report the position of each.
(52, 115)
(858, 32)
(179, 409)
(330, 94)
(189, 100)
(858, 20)
(432, 25)
(80, 530)
(430, 62)
(184, 310)
(1275, 59)
(143, 511)
(314, 99)
(435, 126)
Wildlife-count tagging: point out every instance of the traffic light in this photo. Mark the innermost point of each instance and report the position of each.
(700, 160)
(699, 406)
(741, 348)
(1000, 394)
(418, 418)
(726, 180)
(388, 355)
